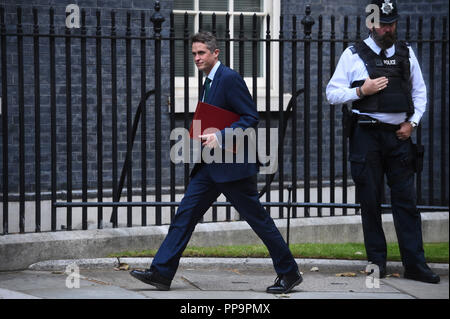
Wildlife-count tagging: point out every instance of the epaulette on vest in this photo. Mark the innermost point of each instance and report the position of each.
(353, 49)
(401, 48)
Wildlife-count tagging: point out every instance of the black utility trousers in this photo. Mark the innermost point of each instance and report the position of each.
(376, 152)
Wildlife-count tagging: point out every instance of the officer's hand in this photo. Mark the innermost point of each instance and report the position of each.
(371, 87)
(405, 131)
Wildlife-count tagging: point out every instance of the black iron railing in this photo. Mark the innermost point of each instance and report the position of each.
(312, 156)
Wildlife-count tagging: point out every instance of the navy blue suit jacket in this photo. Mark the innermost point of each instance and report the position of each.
(229, 91)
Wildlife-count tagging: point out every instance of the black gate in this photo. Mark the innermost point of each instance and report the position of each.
(87, 114)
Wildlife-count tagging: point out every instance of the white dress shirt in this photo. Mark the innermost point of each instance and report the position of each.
(210, 76)
(351, 68)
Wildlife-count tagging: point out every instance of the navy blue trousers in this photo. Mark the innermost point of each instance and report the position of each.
(375, 152)
(202, 191)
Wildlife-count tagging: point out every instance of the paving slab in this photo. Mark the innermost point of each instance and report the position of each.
(422, 290)
(206, 279)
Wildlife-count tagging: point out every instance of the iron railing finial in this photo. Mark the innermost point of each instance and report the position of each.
(157, 19)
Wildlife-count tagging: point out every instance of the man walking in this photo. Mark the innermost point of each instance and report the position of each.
(226, 89)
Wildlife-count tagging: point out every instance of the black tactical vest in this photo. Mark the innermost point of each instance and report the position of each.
(396, 97)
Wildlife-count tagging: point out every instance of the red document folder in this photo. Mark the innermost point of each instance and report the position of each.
(212, 119)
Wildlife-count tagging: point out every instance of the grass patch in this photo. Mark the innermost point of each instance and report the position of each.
(434, 252)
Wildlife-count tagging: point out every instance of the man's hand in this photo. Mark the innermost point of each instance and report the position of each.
(371, 87)
(210, 140)
(405, 131)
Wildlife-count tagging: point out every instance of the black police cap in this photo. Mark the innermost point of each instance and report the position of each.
(388, 10)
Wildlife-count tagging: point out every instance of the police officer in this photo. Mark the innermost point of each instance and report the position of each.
(382, 79)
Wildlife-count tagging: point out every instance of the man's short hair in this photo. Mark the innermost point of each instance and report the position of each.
(207, 38)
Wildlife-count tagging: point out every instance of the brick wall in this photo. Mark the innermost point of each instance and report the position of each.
(91, 7)
(351, 8)
(326, 8)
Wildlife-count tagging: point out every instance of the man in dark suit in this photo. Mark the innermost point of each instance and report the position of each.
(226, 89)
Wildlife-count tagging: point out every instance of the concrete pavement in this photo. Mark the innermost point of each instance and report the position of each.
(213, 278)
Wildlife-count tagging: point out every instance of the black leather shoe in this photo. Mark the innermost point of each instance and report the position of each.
(152, 277)
(421, 272)
(285, 283)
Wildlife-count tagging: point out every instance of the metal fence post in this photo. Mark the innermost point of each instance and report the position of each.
(307, 22)
(157, 19)
(4, 75)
